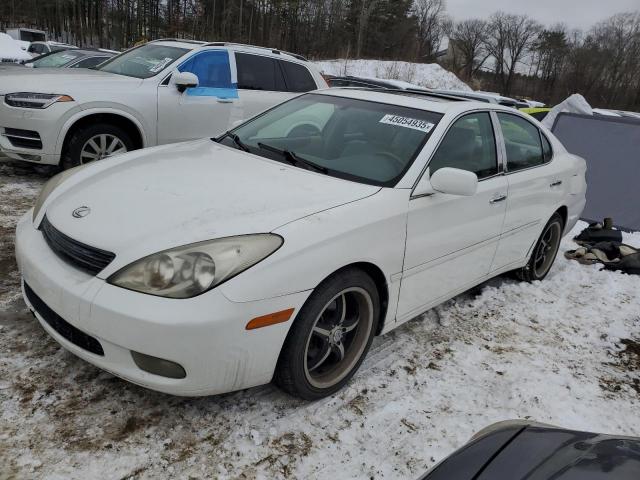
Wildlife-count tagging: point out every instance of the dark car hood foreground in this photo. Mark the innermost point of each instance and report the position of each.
(524, 452)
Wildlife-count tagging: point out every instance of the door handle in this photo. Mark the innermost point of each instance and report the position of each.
(225, 100)
(557, 183)
(499, 198)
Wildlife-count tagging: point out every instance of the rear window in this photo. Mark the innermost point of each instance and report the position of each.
(256, 72)
(522, 142)
(298, 77)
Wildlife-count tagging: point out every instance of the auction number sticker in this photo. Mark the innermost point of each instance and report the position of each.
(407, 122)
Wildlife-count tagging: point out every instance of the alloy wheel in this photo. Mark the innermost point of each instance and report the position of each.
(546, 249)
(101, 146)
(338, 338)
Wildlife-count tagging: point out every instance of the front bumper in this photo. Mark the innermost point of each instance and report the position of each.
(206, 335)
(45, 123)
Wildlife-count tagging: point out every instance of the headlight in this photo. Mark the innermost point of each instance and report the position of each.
(50, 186)
(185, 272)
(34, 100)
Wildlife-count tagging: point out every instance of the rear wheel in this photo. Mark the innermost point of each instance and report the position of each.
(330, 336)
(96, 142)
(544, 252)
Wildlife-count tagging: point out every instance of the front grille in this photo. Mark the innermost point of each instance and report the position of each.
(23, 138)
(89, 259)
(61, 326)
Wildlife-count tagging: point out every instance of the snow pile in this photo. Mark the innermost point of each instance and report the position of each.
(429, 75)
(10, 50)
(575, 103)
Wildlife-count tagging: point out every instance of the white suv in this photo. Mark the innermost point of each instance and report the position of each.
(162, 92)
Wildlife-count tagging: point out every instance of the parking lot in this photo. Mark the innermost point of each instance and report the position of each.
(563, 351)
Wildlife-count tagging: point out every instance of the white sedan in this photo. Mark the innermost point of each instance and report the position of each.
(280, 249)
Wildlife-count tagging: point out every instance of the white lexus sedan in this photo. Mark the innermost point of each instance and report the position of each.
(280, 249)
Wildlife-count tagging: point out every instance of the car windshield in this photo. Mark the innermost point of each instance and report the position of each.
(143, 62)
(56, 59)
(364, 141)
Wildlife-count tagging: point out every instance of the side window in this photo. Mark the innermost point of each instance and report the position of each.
(547, 151)
(469, 145)
(259, 73)
(211, 67)
(298, 77)
(522, 142)
(89, 62)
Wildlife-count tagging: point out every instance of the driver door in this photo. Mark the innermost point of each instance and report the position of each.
(203, 111)
(452, 240)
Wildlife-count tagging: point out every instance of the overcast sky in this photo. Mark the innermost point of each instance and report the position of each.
(575, 13)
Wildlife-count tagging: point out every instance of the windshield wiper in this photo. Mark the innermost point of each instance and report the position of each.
(294, 159)
(236, 139)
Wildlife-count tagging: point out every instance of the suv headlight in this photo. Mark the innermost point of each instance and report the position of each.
(34, 100)
(50, 186)
(185, 272)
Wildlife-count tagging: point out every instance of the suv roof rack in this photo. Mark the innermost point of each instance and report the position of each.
(183, 40)
(272, 50)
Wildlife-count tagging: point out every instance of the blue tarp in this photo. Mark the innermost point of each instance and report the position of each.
(213, 69)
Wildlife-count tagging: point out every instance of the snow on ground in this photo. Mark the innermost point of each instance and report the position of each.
(560, 351)
(429, 75)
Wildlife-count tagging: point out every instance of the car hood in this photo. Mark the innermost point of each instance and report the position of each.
(150, 200)
(64, 81)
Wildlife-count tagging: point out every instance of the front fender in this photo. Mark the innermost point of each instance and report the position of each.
(120, 110)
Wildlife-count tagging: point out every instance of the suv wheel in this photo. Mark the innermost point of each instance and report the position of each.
(96, 142)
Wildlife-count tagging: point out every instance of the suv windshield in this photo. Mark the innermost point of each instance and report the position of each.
(56, 59)
(143, 62)
(364, 141)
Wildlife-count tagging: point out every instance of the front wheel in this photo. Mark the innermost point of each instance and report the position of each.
(544, 252)
(330, 336)
(96, 142)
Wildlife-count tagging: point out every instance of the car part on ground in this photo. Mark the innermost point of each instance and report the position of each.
(283, 246)
(519, 450)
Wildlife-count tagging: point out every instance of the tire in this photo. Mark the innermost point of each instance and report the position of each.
(538, 267)
(78, 143)
(301, 371)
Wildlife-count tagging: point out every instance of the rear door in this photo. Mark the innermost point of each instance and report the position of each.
(204, 111)
(265, 81)
(451, 240)
(535, 188)
(261, 84)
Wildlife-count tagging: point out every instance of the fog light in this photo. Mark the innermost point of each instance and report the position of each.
(28, 156)
(158, 366)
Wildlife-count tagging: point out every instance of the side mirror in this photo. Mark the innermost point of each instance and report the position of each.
(452, 181)
(455, 181)
(184, 80)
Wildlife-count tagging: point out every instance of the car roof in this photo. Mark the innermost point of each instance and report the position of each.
(430, 101)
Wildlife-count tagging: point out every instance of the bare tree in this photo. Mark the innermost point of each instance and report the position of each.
(468, 39)
(432, 23)
(510, 39)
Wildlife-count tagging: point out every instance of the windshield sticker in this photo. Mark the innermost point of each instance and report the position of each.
(407, 122)
(161, 64)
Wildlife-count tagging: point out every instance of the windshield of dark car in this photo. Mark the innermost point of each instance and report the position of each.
(143, 62)
(360, 140)
(56, 59)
